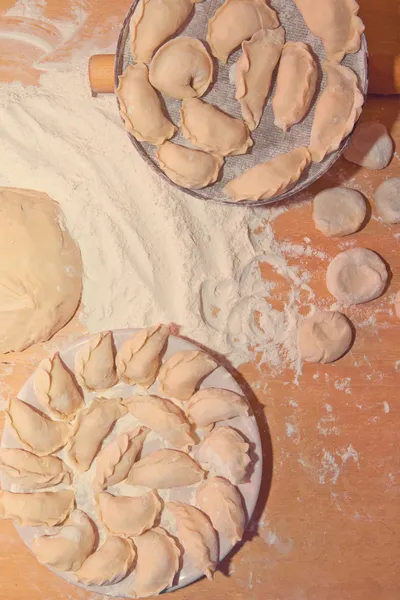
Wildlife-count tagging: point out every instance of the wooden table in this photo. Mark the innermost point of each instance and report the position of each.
(327, 522)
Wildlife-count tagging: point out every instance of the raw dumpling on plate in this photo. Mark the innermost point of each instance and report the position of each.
(210, 405)
(32, 472)
(109, 564)
(37, 508)
(95, 363)
(165, 469)
(188, 167)
(67, 549)
(56, 388)
(128, 515)
(226, 453)
(183, 371)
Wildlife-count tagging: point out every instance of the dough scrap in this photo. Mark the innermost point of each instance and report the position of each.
(56, 389)
(210, 405)
(324, 337)
(37, 508)
(336, 112)
(182, 68)
(183, 371)
(128, 516)
(269, 179)
(236, 21)
(165, 469)
(67, 549)
(197, 535)
(226, 453)
(109, 564)
(141, 108)
(32, 472)
(356, 276)
(212, 130)
(95, 363)
(295, 85)
(387, 200)
(190, 168)
(339, 211)
(223, 504)
(254, 71)
(41, 279)
(370, 146)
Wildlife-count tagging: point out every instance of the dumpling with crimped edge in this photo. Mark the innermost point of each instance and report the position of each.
(158, 560)
(128, 515)
(210, 405)
(37, 508)
(141, 108)
(236, 21)
(90, 428)
(197, 535)
(223, 503)
(225, 452)
(163, 417)
(36, 431)
(165, 469)
(56, 388)
(139, 358)
(67, 549)
(295, 85)
(30, 471)
(95, 363)
(180, 375)
(188, 167)
(336, 112)
(212, 130)
(110, 564)
(254, 70)
(182, 68)
(269, 179)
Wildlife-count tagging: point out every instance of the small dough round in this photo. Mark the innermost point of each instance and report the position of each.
(370, 146)
(339, 211)
(356, 276)
(387, 200)
(40, 269)
(324, 337)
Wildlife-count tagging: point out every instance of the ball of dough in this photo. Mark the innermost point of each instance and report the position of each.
(387, 200)
(40, 269)
(356, 276)
(371, 146)
(339, 211)
(324, 337)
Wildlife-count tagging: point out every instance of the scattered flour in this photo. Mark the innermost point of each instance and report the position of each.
(386, 406)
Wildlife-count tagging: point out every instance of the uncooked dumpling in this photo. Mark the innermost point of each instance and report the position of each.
(56, 388)
(387, 200)
(370, 146)
(182, 68)
(157, 563)
(153, 22)
(211, 405)
(141, 108)
(225, 452)
(295, 85)
(222, 502)
(190, 168)
(116, 459)
(271, 178)
(324, 337)
(254, 71)
(337, 110)
(163, 417)
(109, 564)
(165, 469)
(32, 472)
(128, 515)
(67, 549)
(139, 358)
(181, 374)
(356, 276)
(336, 23)
(91, 427)
(95, 363)
(197, 535)
(339, 211)
(236, 21)
(212, 130)
(36, 431)
(38, 508)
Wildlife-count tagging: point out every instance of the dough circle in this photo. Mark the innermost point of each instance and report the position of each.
(324, 337)
(40, 269)
(371, 146)
(387, 200)
(356, 276)
(339, 211)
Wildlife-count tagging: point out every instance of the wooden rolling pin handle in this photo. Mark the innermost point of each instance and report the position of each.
(101, 73)
(384, 74)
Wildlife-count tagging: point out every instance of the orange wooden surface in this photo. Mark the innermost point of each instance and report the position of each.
(327, 522)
